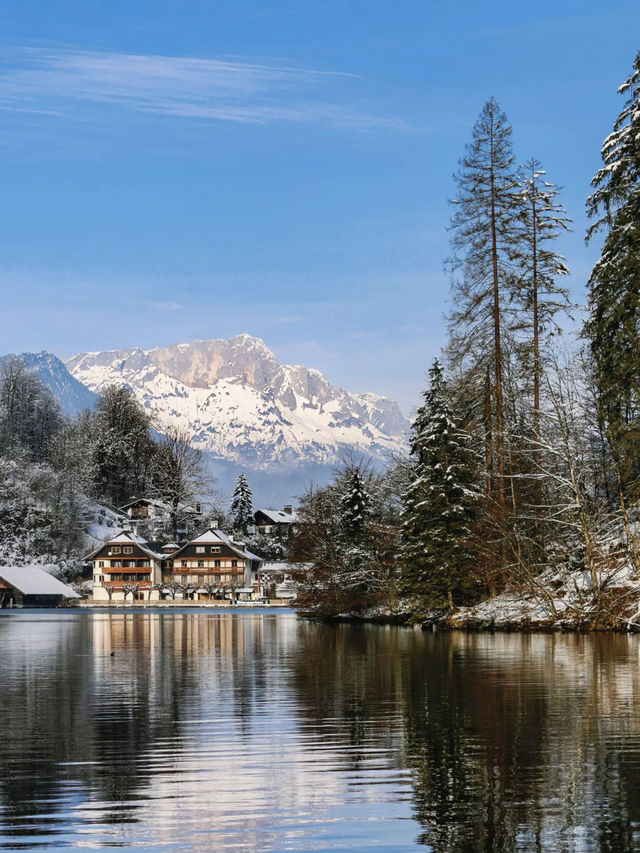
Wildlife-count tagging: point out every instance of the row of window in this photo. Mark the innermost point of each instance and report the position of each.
(116, 549)
(123, 564)
(130, 577)
(213, 549)
(218, 580)
(185, 564)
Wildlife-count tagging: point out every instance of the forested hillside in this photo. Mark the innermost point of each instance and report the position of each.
(523, 477)
(61, 477)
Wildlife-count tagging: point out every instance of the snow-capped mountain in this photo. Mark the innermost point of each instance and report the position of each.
(72, 395)
(242, 406)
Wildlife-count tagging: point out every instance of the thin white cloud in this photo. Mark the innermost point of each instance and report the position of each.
(55, 81)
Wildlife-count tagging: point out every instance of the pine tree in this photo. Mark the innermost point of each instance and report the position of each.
(538, 299)
(437, 564)
(541, 219)
(614, 285)
(242, 505)
(355, 506)
(483, 245)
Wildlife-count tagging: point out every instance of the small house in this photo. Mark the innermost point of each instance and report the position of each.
(279, 523)
(31, 586)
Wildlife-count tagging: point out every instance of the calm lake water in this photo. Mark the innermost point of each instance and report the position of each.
(257, 731)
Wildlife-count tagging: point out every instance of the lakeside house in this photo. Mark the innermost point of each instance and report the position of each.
(156, 515)
(212, 566)
(31, 586)
(280, 523)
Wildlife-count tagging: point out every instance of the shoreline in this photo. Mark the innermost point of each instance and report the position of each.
(183, 605)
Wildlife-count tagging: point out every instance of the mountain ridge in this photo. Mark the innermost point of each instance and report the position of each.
(242, 405)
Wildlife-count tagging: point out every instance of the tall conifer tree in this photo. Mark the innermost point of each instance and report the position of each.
(439, 503)
(242, 505)
(483, 244)
(614, 285)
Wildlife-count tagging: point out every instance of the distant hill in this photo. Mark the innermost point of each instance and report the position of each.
(73, 396)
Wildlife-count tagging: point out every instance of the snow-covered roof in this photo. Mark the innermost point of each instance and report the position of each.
(213, 536)
(33, 580)
(279, 516)
(210, 536)
(150, 501)
(127, 537)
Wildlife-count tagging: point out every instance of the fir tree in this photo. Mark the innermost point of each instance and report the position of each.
(438, 507)
(355, 506)
(242, 505)
(614, 285)
(538, 299)
(483, 245)
(541, 219)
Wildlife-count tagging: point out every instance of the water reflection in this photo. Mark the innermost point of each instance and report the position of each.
(257, 731)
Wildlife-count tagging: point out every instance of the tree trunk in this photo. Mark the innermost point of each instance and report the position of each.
(497, 344)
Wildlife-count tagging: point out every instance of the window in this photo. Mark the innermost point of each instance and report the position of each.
(234, 563)
(199, 549)
(127, 550)
(115, 549)
(201, 564)
(215, 549)
(183, 563)
(116, 563)
(100, 564)
(216, 563)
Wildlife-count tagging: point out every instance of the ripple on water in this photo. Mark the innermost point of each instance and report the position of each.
(254, 731)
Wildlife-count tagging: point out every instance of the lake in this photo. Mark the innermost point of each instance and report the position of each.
(258, 731)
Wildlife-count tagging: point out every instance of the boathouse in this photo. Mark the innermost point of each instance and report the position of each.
(31, 586)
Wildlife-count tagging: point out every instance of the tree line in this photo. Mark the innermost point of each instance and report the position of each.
(60, 474)
(525, 454)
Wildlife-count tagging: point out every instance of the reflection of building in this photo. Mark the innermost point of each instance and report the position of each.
(211, 566)
(31, 586)
(278, 582)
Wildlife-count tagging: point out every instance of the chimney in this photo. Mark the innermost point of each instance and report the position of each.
(288, 510)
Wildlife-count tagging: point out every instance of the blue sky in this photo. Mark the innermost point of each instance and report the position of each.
(175, 171)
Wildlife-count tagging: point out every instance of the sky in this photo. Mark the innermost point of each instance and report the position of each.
(190, 169)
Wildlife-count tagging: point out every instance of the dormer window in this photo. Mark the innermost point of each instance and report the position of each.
(200, 549)
(215, 549)
(115, 549)
(127, 550)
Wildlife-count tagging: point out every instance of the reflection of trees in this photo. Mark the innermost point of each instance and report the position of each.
(516, 742)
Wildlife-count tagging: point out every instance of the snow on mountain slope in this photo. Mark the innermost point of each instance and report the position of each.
(72, 395)
(241, 405)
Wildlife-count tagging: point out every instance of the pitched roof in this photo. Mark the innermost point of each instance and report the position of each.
(210, 536)
(279, 516)
(33, 580)
(214, 537)
(128, 538)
